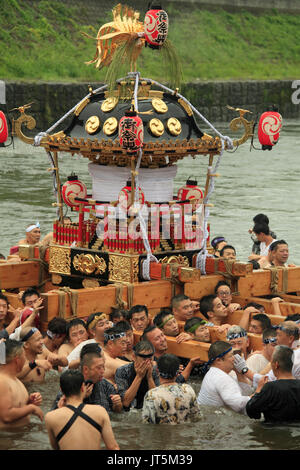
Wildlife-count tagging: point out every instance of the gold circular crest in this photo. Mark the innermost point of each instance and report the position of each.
(92, 124)
(174, 126)
(159, 105)
(110, 126)
(156, 127)
(109, 104)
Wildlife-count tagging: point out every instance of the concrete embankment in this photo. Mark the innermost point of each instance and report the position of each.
(53, 100)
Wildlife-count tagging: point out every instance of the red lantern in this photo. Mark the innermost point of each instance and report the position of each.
(73, 188)
(269, 127)
(125, 196)
(156, 27)
(131, 132)
(3, 128)
(190, 191)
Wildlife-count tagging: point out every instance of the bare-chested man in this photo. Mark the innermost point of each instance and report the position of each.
(91, 424)
(38, 359)
(16, 405)
(55, 334)
(115, 346)
(76, 333)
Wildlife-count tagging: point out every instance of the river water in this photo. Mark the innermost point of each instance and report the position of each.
(249, 183)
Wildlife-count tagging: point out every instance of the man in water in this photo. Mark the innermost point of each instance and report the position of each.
(77, 426)
(76, 333)
(170, 402)
(96, 324)
(16, 405)
(218, 387)
(99, 391)
(38, 359)
(158, 340)
(136, 378)
(55, 334)
(279, 400)
(115, 346)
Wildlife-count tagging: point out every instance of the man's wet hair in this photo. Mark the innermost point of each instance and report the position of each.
(143, 345)
(293, 317)
(117, 313)
(192, 322)
(261, 228)
(221, 283)
(168, 365)
(175, 301)
(254, 263)
(217, 348)
(13, 348)
(88, 353)
(227, 247)
(290, 328)
(137, 309)
(263, 319)
(274, 245)
(261, 218)
(70, 382)
(284, 356)
(3, 297)
(158, 319)
(269, 333)
(28, 293)
(57, 326)
(124, 325)
(206, 304)
(75, 322)
(255, 305)
(147, 330)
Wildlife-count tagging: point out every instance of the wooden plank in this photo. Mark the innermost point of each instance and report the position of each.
(234, 318)
(187, 349)
(286, 308)
(259, 282)
(14, 274)
(205, 286)
(154, 294)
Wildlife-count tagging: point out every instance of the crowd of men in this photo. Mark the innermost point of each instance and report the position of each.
(111, 363)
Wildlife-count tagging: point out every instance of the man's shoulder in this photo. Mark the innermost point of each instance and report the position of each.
(125, 368)
(105, 384)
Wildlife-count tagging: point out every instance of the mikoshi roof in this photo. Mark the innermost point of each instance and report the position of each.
(170, 129)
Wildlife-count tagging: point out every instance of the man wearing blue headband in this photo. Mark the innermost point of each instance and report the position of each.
(218, 388)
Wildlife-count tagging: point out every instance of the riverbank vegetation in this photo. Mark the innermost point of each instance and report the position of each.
(43, 40)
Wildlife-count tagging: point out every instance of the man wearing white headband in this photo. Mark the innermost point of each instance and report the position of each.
(32, 235)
